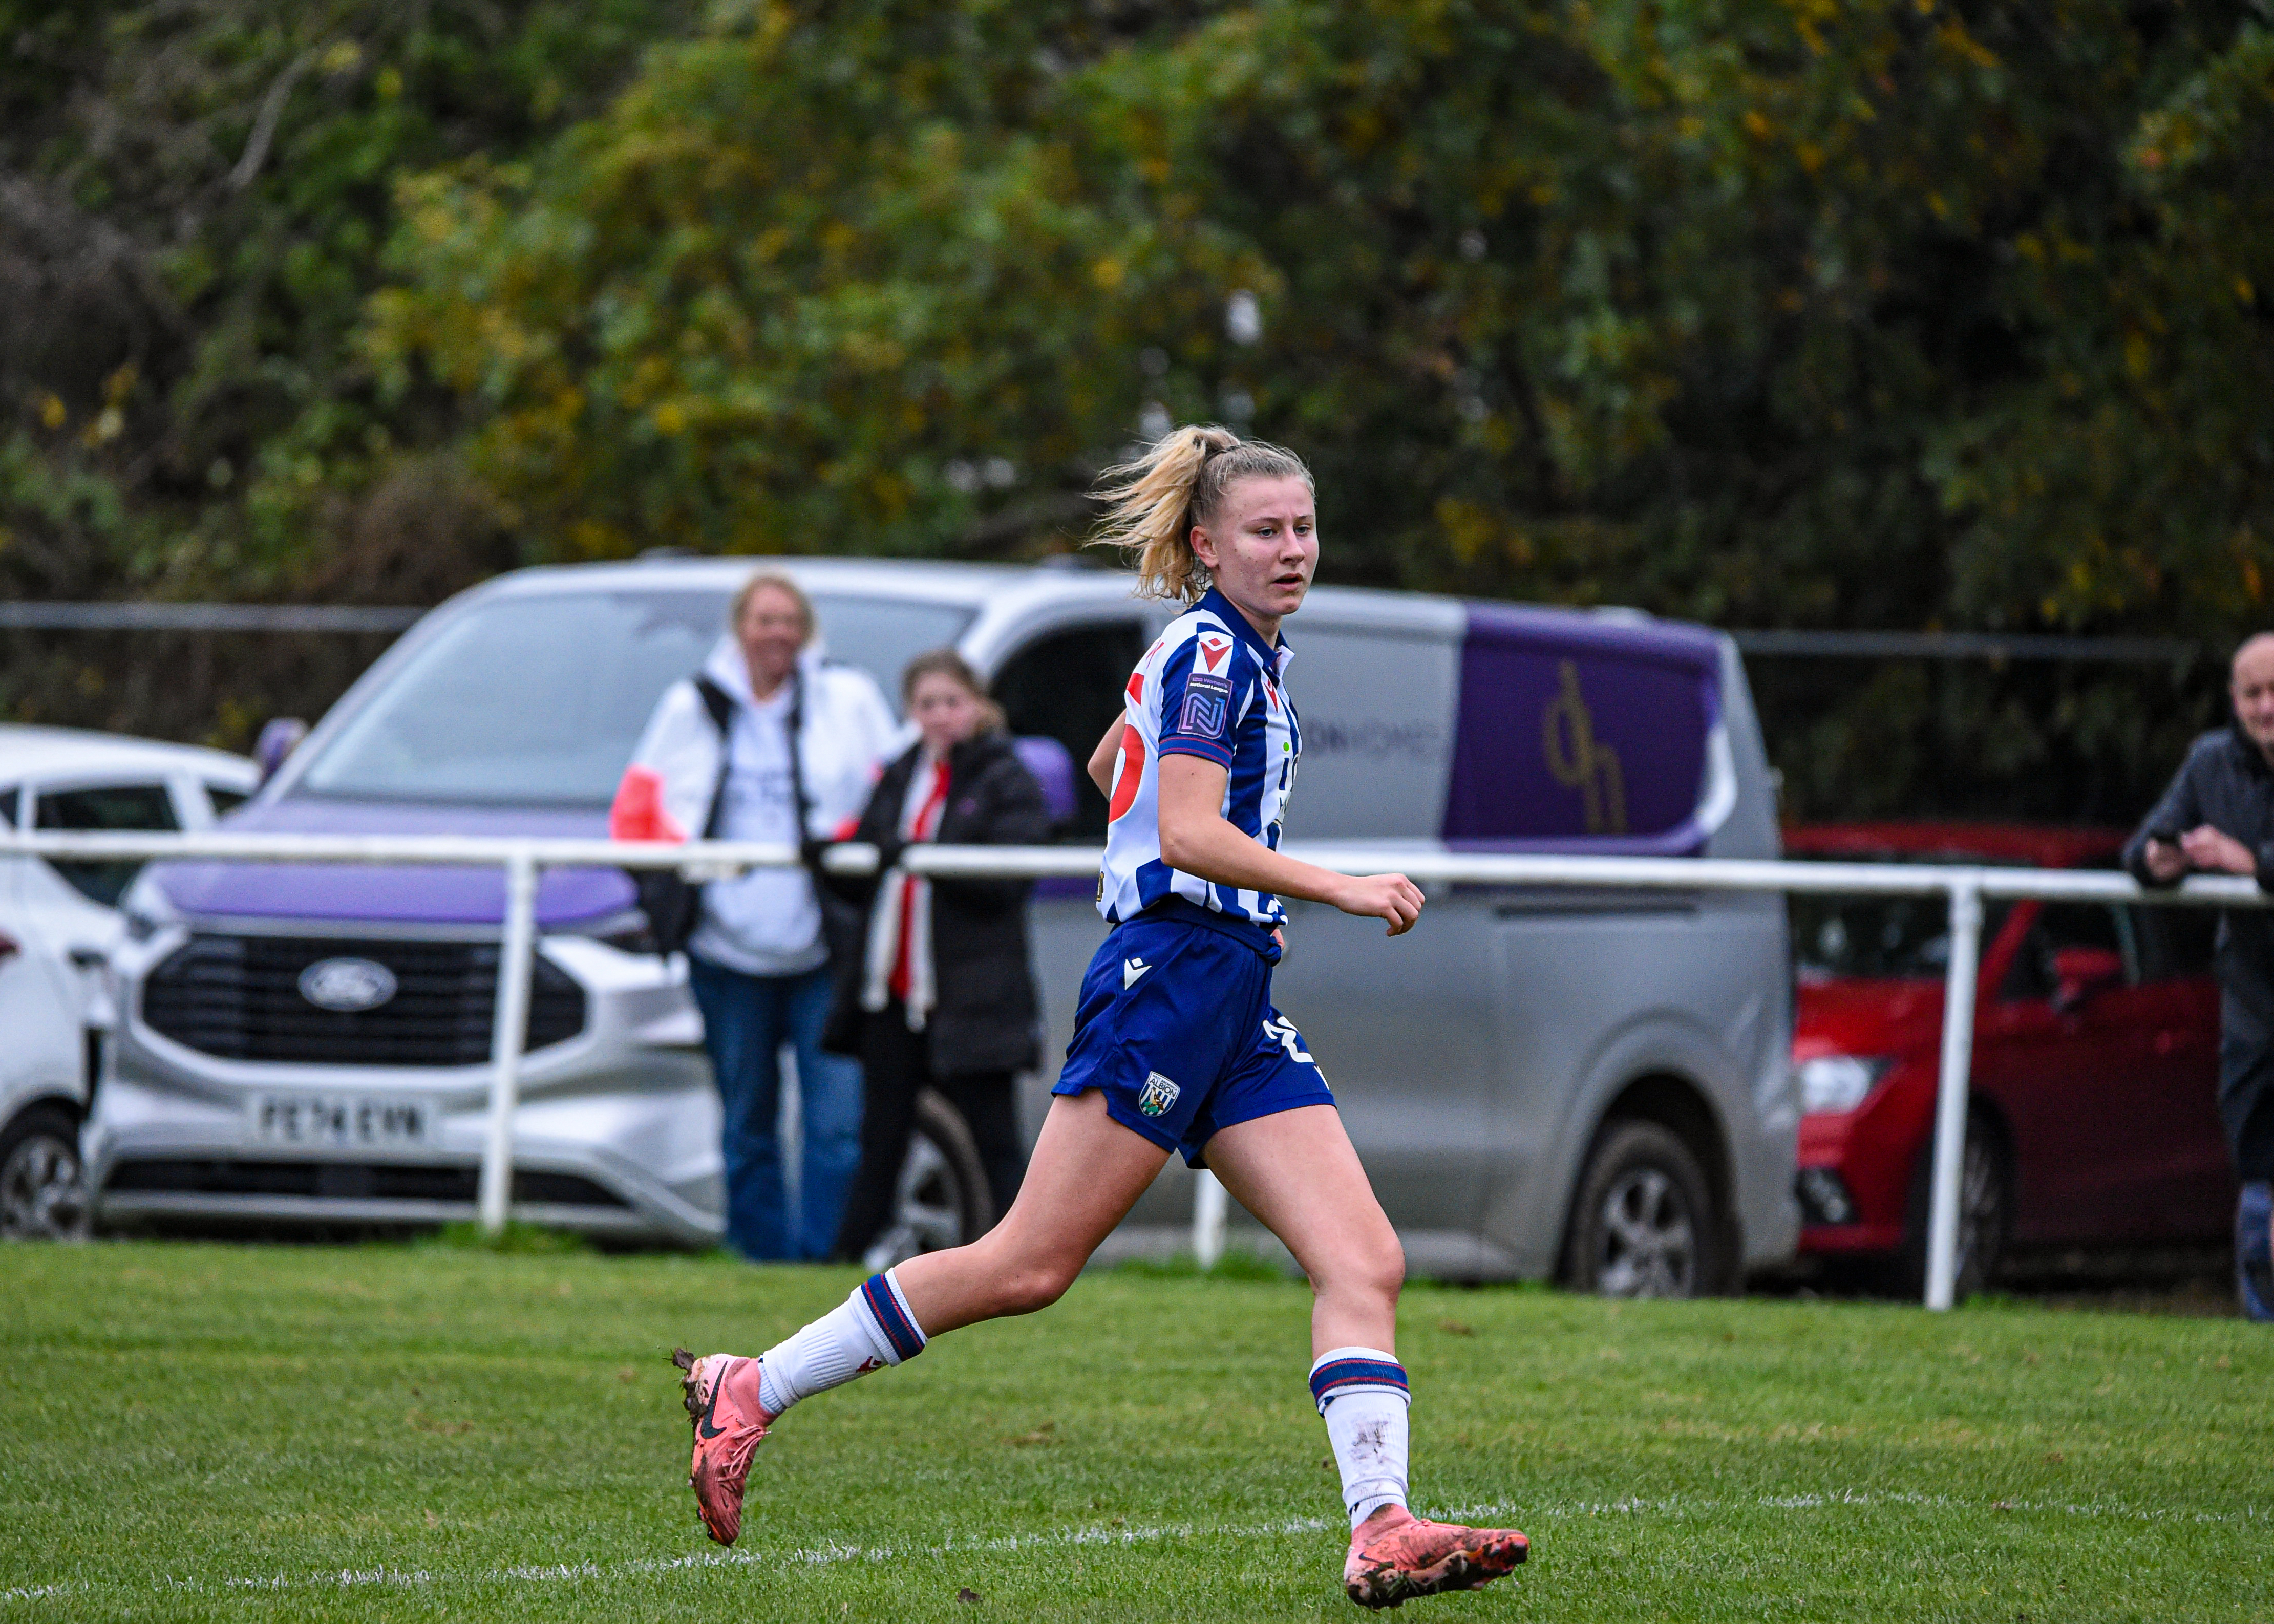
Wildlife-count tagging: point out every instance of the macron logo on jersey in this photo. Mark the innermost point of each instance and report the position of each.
(1131, 970)
(1213, 646)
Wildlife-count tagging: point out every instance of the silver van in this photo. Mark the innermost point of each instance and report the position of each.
(1539, 1082)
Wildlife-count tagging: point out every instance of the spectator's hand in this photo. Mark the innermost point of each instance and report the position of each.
(2165, 861)
(2217, 852)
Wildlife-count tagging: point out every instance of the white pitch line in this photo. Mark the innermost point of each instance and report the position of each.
(825, 1555)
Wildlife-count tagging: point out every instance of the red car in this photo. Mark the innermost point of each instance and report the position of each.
(2095, 1058)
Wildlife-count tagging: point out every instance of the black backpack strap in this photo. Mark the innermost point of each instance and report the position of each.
(720, 705)
(803, 803)
(717, 701)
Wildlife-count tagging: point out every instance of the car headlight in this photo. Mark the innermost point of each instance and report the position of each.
(147, 909)
(1839, 1082)
(627, 932)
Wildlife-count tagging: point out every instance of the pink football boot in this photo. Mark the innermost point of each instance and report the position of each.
(722, 1401)
(1396, 1556)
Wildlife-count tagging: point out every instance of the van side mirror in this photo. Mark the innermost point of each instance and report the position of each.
(1052, 766)
(2081, 974)
(279, 738)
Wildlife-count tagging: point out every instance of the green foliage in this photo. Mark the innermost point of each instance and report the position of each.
(1759, 312)
(1755, 312)
(194, 199)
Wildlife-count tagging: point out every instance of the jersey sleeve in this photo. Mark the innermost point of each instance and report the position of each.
(1198, 704)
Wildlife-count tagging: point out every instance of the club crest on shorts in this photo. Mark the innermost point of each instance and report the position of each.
(1160, 1094)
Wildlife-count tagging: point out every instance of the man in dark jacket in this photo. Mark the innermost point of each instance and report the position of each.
(2217, 818)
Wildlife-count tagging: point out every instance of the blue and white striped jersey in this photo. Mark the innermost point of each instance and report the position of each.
(1209, 688)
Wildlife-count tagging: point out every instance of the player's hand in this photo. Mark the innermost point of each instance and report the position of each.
(1383, 896)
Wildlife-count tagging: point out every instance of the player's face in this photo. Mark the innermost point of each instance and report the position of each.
(1261, 545)
(2253, 688)
(945, 712)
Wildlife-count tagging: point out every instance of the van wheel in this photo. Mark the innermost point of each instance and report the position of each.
(942, 1200)
(1985, 1214)
(1643, 1223)
(41, 1195)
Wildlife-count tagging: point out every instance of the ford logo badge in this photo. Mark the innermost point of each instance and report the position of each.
(347, 985)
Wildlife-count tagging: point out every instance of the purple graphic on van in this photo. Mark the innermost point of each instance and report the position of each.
(1582, 734)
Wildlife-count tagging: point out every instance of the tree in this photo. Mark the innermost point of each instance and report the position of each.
(1771, 312)
(194, 201)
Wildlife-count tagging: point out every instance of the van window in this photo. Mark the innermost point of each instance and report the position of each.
(111, 806)
(1068, 685)
(541, 698)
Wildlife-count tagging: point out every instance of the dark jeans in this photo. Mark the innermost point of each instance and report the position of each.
(747, 1020)
(897, 1064)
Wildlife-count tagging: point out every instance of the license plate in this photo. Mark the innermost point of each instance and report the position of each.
(342, 1121)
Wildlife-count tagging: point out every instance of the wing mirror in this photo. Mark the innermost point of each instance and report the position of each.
(2081, 974)
(279, 738)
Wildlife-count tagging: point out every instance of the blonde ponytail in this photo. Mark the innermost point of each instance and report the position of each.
(1153, 502)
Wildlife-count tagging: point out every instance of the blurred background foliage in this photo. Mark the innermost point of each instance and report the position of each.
(1764, 312)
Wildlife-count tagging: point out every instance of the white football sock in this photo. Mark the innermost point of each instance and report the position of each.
(866, 1331)
(1361, 1393)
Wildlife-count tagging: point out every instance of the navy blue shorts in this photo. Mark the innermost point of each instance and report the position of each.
(1177, 1030)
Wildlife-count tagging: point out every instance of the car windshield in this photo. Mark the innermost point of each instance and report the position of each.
(539, 699)
(1879, 938)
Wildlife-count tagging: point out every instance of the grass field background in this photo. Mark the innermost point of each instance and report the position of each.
(191, 1431)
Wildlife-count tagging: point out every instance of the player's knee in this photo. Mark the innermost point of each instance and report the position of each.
(1384, 1266)
(1373, 1268)
(1033, 1286)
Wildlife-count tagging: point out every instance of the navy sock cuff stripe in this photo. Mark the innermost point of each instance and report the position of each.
(885, 1305)
(1343, 1374)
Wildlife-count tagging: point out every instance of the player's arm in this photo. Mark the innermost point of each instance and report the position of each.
(1196, 838)
(1100, 759)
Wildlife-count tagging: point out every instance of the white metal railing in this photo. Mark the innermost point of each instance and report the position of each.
(522, 859)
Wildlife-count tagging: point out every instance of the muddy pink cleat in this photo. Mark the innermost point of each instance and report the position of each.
(722, 1401)
(1396, 1556)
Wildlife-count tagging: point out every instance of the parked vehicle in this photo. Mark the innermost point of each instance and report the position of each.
(57, 922)
(2095, 1071)
(1536, 1080)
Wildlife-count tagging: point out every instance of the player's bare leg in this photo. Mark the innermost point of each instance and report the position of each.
(1086, 1172)
(1296, 1172)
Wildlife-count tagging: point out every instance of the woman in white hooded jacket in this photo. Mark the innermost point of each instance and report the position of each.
(757, 960)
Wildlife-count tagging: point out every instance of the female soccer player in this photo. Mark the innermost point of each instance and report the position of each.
(1177, 1046)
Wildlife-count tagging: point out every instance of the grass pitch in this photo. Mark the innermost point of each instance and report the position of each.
(378, 1432)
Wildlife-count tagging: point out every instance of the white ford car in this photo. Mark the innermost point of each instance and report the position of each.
(58, 923)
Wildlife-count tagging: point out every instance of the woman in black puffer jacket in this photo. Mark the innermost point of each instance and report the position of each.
(947, 999)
